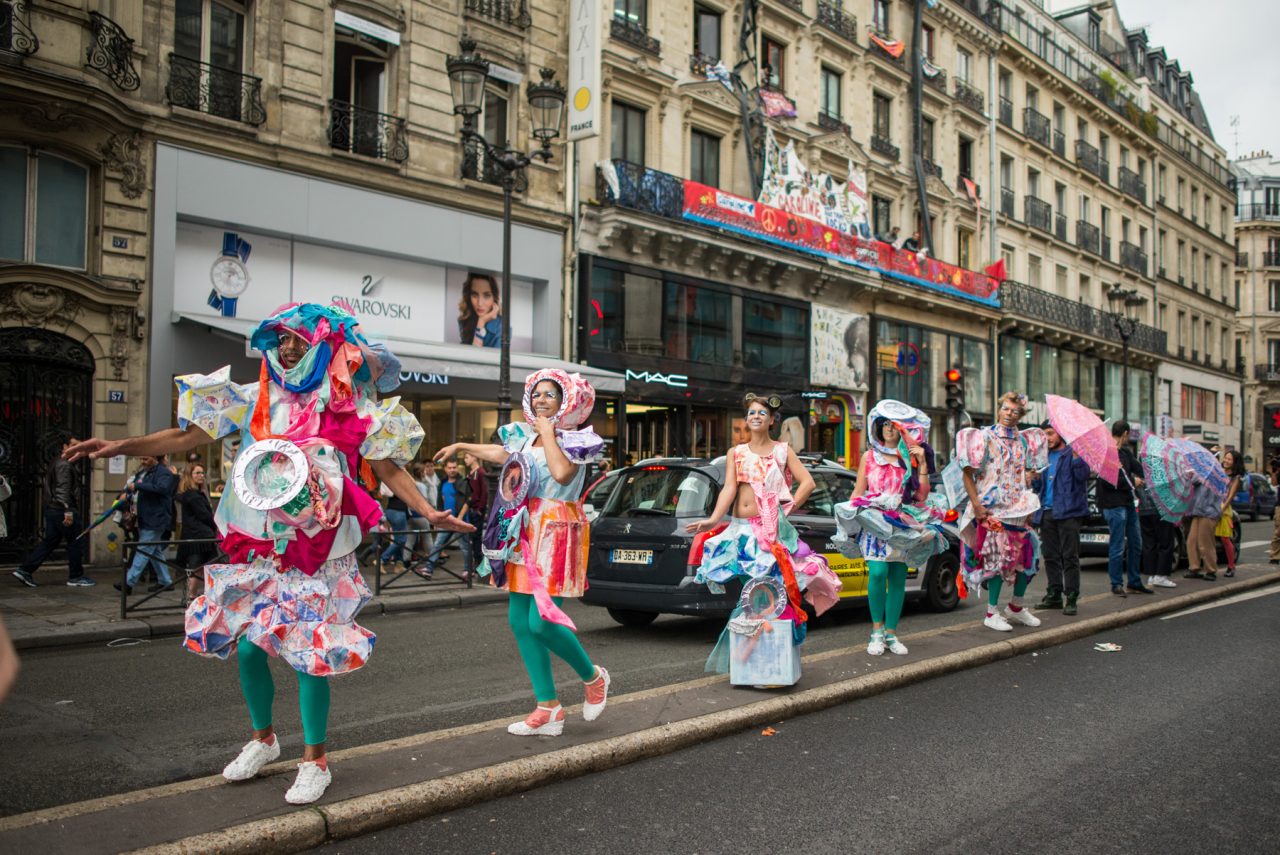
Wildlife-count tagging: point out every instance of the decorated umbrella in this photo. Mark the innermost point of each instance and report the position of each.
(1087, 435)
(1203, 466)
(115, 506)
(1167, 476)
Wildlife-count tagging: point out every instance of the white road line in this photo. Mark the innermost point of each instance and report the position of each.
(1238, 598)
(1252, 543)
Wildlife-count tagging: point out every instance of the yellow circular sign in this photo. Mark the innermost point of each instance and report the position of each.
(581, 98)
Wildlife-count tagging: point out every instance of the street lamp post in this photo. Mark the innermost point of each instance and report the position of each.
(467, 74)
(1125, 306)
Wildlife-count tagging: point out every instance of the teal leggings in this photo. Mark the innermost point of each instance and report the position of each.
(886, 589)
(538, 639)
(995, 583)
(260, 690)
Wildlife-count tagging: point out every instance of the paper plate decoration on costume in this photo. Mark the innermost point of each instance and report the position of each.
(507, 516)
(763, 598)
(271, 474)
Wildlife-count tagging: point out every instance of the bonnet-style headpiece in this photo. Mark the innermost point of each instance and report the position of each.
(578, 397)
(914, 423)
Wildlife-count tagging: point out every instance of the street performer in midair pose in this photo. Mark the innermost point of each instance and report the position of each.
(294, 514)
(999, 546)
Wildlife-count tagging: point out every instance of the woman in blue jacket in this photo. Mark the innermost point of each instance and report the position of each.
(1063, 488)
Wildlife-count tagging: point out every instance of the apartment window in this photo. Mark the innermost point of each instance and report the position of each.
(1105, 222)
(1033, 97)
(1182, 256)
(1004, 85)
(1033, 271)
(706, 32)
(1198, 404)
(633, 11)
(880, 216)
(1060, 199)
(881, 106)
(1271, 201)
(1161, 239)
(1082, 130)
(1124, 229)
(44, 208)
(1195, 203)
(964, 248)
(1273, 352)
(1228, 401)
(1060, 280)
(773, 56)
(1182, 190)
(1124, 157)
(210, 32)
(880, 16)
(704, 158)
(627, 142)
(1195, 334)
(360, 84)
(1086, 290)
(966, 157)
(830, 92)
(1033, 182)
(1273, 295)
(1006, 173)
(1084, 208)
(926, 138)
(964, 65)
(1008, 255)
(1104, 145)
(927, 32)
(1160, 182)
(1195, 266)
(1142, 238)
(1237, 300)
(1162, 316)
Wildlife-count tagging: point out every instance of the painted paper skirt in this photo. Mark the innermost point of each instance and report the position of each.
(309, 621)
(558, 537)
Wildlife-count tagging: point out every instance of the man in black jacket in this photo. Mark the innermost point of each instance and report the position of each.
(61, 522)
(156, 486)
(1119, 507)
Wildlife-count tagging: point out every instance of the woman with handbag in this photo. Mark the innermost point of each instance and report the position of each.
(1234, 465)
(197, 525)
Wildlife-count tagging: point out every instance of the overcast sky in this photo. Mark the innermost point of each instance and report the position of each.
(1230, 48)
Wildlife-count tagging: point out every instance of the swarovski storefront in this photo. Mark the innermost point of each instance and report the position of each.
(233, 241)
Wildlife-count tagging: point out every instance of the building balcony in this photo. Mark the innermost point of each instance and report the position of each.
(833, 17)
(1133, 258)
(969, 96)
(111, 52)
(793, 5)
(1007, 202)
(367, 132)
(1242, 259)
(832, 122)
(1088, 159)
(1269, 374)
(1087, 236)
(1006, 112)
(223, 92)
(1060, 226)
(1132, 184)
(1036, 127)
(635, 34)
(882, 145)
(932, 168)
(700, 64)
(642, 189)
(1037, 305)
(937, 81)
(1271, 259)
(1060, 144)
(1257, 211)
(478, 166)
(1039, 214)
(512, 13)
(960, 185)
(16, 35)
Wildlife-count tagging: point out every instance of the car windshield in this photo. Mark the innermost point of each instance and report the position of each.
(662, 491)
(600, 492)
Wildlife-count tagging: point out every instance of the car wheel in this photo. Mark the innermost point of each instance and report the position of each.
(940, 590)
(631, 617)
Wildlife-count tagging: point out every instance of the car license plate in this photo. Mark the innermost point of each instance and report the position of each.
(1094, 538)
(633, 556)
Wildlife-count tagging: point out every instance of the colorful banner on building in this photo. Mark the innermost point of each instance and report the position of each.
(776, 105)
(713, 207)
(840, 348)
(789, 185)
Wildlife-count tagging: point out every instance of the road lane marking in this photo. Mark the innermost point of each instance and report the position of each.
(1251, 544)
(1238, 598)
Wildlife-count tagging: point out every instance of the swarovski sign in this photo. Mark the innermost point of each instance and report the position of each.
(675, 381)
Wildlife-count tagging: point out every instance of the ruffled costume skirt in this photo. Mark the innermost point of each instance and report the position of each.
(1006, 551)
(908, 535)
(740, 551)
(309, 621)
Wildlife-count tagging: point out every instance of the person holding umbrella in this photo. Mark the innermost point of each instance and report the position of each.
(1063, 488)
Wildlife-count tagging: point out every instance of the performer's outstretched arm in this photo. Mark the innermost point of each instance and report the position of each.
(401, 484)
(488, 453)
(167, 441)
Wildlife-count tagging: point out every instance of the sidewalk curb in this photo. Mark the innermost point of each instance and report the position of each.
(305, 829)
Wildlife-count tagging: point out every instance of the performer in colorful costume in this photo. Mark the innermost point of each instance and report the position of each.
(760, 541)
(999, 545)
(536, 539)
(293, 514)
(887, 517)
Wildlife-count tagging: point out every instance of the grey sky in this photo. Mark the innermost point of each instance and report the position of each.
(1229, 47)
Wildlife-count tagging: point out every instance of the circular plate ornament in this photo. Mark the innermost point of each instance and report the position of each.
(763, 598)
(516, 480)
(269, 474)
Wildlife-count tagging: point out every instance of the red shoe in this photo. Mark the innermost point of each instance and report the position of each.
(597, 695)
(541, 722)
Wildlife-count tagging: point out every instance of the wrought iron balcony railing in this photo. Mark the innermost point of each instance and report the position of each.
(1087, 236)
(1271, 258)
(1007, 202)
(223, 92)
(794, 5)
(641, 189)
(1132, 184)
(1060, 226)
(16, 35)
(832, 122)
(700, 63)
(969, 96)
(478, 166)
(933, 168)
(1258, 211)
(937, 81)
(635, 34)
(1036, 127)
(1059, 143)
(1021, 300)
(882, 145)
(1088, 159)
(833, 17)
(111, 53)
(513, 13)
(1006, 112)
(1242, 259)
(367, 132)
(1132, 257)
(1267, 373)
(1039, 213)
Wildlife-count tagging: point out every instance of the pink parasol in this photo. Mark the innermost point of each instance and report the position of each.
(1088, 437)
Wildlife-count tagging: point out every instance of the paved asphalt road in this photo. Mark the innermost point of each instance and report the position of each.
(1168, 746)
(90, 721)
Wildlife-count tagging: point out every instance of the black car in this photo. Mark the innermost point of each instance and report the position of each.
(1095, 537)
(639, 560)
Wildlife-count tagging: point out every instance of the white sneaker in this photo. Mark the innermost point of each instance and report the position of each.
(895, 646)
(253, 757)
(997, 622)
(310, 784)
(597, 695)
(875, 647)
(541, 722)
(1022, 616)
(1161, 582)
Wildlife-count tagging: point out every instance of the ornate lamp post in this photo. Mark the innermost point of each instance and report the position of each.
(1126, 306)
(467, 74)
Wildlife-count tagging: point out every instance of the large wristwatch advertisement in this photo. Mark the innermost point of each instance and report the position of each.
(229, 274)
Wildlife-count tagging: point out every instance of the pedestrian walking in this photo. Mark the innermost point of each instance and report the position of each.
(285, 550)
(455, 496)
(1063, 488)
(544, 460)
(1119, 506)
(1158, 540)
(1233, 464)
(197, 524)
(62, 522)
(397, 514)
(154, 490)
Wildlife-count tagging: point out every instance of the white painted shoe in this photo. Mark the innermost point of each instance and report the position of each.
(310, 784)
(1022, 616)
(541, 722)
(253, 757)
(875, 647)
(895, 646)
(1161, 582)
(997, 622)
(597, 695)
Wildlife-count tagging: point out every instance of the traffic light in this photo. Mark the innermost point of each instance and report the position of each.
(955, 390)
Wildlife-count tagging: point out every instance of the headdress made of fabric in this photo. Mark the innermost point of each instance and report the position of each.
(579, 397)
(329, 331)
(912, 421)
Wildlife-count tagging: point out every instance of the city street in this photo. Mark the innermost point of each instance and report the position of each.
(95, 720)
(1067, 750)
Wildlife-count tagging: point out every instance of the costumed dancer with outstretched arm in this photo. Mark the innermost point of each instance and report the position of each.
(536, 538)
(309, 427)
(999, 546)
(886, 519)
(760, 542)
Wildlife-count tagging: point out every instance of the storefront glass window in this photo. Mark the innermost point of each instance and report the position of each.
(1090, 382)
(1014, 353)
(698, 325)
(976, 364)
(774, 337)
(1068, 369)
(1140, 398)
(900, 362)
(1042, 371)
(1113, 393)
(935, 362)
(605, 314)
